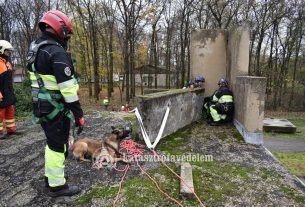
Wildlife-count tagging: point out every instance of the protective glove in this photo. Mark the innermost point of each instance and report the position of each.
(80, 125)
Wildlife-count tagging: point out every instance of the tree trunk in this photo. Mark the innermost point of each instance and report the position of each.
(110, 80)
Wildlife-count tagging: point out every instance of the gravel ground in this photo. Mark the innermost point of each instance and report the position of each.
(22, 164)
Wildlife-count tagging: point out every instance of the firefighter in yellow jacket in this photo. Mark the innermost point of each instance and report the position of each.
(220, 106)
(54, 96)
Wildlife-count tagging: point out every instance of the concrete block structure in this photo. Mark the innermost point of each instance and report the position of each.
(209, 56)
(215, 54)
(249, 105)
(185, 108)
(279, 125)
(219, 54)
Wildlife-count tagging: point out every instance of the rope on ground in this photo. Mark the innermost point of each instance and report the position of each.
(184, 182)
(120, 185)
(157, 185)
(135, 150)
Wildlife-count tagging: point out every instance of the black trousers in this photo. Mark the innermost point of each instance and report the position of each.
(57, 133)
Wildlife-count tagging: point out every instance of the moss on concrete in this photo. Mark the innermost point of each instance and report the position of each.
(98, 192)
(178, 142)
(217, 183)
(293, 194)
(214, 183)
(238, 136)
(168, 93)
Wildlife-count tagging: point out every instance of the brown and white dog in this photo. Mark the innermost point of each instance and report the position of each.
(106, 151)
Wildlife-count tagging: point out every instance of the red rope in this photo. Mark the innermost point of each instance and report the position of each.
(135, 150)
(157, 185)
(119, 170)
(120, 185)
(184, 182)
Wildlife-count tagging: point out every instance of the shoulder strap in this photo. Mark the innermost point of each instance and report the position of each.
(34, 48)
(44, 93)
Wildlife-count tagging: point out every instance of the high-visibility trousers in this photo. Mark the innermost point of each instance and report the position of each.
(54, 167)
(57, 133)
(7, 116)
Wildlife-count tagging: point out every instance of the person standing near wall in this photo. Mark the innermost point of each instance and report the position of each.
(7, 95)
(54, 95)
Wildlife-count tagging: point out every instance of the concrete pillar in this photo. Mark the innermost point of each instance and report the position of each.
(249, 102)
(209, 56)
(238, 54)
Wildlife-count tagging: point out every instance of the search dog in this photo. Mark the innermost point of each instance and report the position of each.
(105, 151)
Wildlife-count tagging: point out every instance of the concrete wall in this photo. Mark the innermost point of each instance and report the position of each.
(185, 108)
(238, 54)
(249, 91)
(221, 53)
(249, 105)
(209, 56)
(153, 90)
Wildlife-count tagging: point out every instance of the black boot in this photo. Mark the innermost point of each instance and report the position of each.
(3, 136)
(15, 133)
(215, 123)
(46, 183)
(64, 191)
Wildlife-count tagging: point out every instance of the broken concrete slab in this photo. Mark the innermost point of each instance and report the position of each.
(186, 190)
(278, 125)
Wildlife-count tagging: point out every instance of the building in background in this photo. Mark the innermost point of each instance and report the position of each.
(145, 75)
(19, 74)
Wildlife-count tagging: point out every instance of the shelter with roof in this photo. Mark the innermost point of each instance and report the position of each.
(145, 75)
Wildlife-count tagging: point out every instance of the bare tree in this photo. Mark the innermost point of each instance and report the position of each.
(90, 20)
(6, 20)
(131, 15)
(156, 12)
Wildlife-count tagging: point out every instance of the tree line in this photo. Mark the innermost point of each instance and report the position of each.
(117, 36)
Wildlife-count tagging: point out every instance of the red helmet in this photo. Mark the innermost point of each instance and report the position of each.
(59, 23)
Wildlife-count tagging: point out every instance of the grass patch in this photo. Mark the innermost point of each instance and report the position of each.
(295, 162)
(217, 181)
(212, 181)
(98, 192)
(177, 143)
(22, 116)
(292, 194)
(237, 135)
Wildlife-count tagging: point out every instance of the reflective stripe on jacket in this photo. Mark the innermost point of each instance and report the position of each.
(223, 95)
(67, 88)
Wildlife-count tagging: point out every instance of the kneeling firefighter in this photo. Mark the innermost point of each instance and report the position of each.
(54, 96)
(220, 106)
